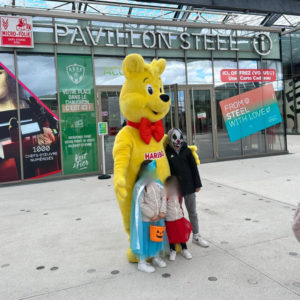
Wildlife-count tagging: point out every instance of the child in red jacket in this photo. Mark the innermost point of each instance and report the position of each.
(178, 227)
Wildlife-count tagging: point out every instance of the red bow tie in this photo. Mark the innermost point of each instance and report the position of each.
(148, 129)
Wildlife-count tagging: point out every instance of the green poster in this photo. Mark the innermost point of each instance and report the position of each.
(78, 117)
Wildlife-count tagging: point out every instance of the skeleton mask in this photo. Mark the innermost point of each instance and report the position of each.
(175, 139)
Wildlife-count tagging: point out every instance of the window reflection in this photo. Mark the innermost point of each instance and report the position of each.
(199, 72)
(108, 71)
(275, 134)
(10, 168)
(38, 73)
(174, 72)
(7, 59)
(255, 143)
(223, 91)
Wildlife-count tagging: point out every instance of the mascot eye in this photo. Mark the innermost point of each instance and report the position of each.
(160, 90)
(149, 89)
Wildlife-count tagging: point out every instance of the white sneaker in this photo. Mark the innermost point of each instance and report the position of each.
(172, 256)
(197, 239)
(145, 267)
(158, 261)
(186, 254)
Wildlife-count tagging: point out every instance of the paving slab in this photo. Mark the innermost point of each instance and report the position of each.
(65, 239)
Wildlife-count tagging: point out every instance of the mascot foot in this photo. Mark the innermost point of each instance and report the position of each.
(131, 257)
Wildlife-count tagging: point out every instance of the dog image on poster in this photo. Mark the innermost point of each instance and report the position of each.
(36, 127)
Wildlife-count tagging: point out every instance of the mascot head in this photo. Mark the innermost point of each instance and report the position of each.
(142, 95)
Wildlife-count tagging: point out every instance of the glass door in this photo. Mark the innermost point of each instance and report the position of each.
(177, 113)
(202, 131)
(108, 110)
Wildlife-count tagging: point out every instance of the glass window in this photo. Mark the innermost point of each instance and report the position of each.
(39, 120)
(291, 116)
(37, 72)
(286, 55)
(176, 116)
(112, 115)
(174, 72)
(108, 71)
(254, 143)
(7, 59)
(10, 169)
(225, 74)
(225, 147)
(295, 38)
(201, 122)
(275, 134)
(200, 72)
(42, 20)
(297, 102)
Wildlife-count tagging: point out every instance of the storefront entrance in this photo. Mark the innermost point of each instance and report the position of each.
(193, 103)
(191, 111)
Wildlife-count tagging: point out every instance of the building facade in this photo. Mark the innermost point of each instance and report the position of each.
(70, 80)
(291, 72)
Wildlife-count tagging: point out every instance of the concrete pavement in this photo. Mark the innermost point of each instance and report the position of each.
(65, 239)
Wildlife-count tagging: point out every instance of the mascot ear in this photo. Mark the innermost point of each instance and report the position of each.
(133, 63)
(159, 65)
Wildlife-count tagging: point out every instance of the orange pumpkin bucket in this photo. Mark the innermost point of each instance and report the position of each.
(157, 233)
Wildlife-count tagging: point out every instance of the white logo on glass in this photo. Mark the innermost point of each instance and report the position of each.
(75, 73)
(262, 44)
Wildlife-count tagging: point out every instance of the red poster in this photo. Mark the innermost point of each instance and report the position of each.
(248, 75)
(16, 31)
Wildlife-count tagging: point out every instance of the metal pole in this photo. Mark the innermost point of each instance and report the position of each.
(113, 19)
(194, 121)
(103, 155)
(19, 116)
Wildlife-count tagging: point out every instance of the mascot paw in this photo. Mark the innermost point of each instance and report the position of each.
(131, 257)
(120, 188)
(194, 152)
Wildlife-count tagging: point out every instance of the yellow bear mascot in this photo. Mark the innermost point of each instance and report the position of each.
(144, 104)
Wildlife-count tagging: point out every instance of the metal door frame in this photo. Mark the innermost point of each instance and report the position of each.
(190, 116)
(99, 90)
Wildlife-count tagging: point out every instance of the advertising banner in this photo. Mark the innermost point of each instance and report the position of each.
(248, 75)
(78, 116)
(250, 112)
(16, 31)
(37, 127)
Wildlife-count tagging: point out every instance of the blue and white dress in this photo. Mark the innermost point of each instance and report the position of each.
(140, 242)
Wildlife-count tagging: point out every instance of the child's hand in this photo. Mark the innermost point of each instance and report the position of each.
(162, 215)
(155, 218)
(198, 190)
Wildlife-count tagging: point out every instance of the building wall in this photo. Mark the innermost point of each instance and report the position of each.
(291, 73)
(190, 62)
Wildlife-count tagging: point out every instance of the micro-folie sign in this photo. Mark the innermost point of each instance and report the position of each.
(16, 31)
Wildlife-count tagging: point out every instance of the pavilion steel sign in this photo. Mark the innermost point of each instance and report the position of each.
(150, 39)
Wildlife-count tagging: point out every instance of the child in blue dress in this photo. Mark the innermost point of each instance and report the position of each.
(148, 209)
